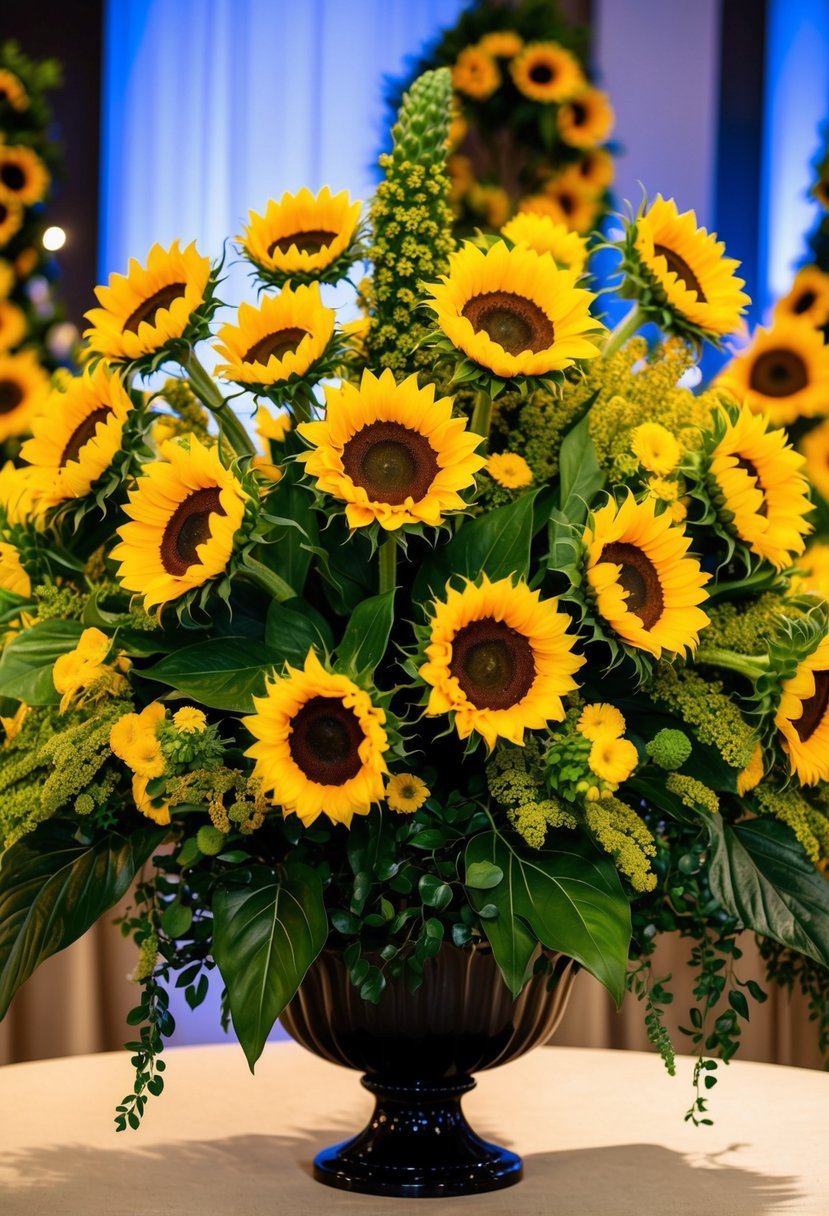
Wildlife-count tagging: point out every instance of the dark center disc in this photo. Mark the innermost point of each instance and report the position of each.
(804, 302)
(11, 395)
(311, 241)
(324, 741)
(748, 466)
(4, 213)
(814, 708)
(678, 266)
(541, 73)
(778, 373)
(280, 343)
(391, 462)
(566, 202)
(189, 527)
(514, 322)
(83, 433)
(639, 578)
(493, 663)
(579, 113)
(148, 310)
(12, 177)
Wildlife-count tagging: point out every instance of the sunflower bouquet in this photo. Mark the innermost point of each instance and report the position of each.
(530, 132)
(487, 639)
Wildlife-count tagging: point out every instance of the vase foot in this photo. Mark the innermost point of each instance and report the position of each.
(418, 1145)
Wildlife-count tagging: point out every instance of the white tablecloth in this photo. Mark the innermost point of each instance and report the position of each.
(600, 1132)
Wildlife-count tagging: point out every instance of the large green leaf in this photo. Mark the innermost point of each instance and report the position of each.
(224, 673)
(569, 900)
(367, 634)
(26, 663)
(580, 481)
(52, 889)
(265, 937)
(291, 632)
(760, 873)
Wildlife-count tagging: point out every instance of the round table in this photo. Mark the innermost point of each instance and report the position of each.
(600, 1132)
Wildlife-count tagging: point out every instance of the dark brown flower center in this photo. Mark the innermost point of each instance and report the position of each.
(578, 113)
(83, 433)
(814, 708)
(4, 213)
(11, 394)
(149, 309)
(639, 578)
(778, 373)
(391, 462)
(679, 267)
(189, 527)
(748, 466)
(280, 343)
(324, 741)
(311, 241)
(12, 177)
(493, 663)
(514, 322)
(541, 73)
(804, 302)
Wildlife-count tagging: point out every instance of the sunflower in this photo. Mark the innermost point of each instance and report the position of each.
(185, 511)
(12, 325)
(19, 502)
(586, 120)
(815, 567)
(808, 297)
(303, 238)
(544, 235)
(24, 387)
(568, 200)
(803, 717)
(76, 435)
(476, 73)
(12, 91)
(646, 586)
(11, 219)
(546, 72)
(760, 482)
(277, 342)
(406, 793)
(6, 280)
(500, 659)
(596, 170)
(147, 309)
(321, 744)
(784, 372)
(13, 576)
(513, 311)
(815, 448)
(686, 271)
(391, 452)
(503, 44)
(23, 176)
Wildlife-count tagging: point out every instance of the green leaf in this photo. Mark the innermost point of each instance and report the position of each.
(225, 673)
(367, 634)
(497, 543)
(759, 872)
(580, 481)
(569, 900)
(176, 919)
(265, 937)
(291, 633)
(53, 888)
(26, 663)
(481, 875)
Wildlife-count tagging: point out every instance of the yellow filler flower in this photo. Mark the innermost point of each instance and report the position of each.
(406, 793)
(76, 435)
(808, 298)
(500, 659)
(149, 307)
(281, 340)
(546, 72)
(601, 721)
(185, 511)
(765, 495)
(656, 448)
(24, 387)
(320, 744)
(784, 373)
(391, 452)
(476, 73)
(586, 119)
(647, 588)
(514, 312)
(544, 235)
(302, 237)
(803, 717)
(613, 760)
(23, 176)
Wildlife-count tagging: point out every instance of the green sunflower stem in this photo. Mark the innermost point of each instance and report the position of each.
(207, 392)
(748, 665)
(626, 328)
(270, 582)
(388, 564)
(482, 414)
(304, 402)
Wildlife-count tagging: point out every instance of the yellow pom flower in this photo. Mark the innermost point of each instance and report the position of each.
(784, 373)
(544, 235)
(154, 809)
(134, 740)
(509, 470)
(656, 449)
(85, 670)
(546, 72)
(190, 721)
(601, 721)
(803, 717)
(406, 793)
(586, 119)
(613, 760)
(476, 73)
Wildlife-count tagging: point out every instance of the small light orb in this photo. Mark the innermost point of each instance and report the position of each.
(54, 238)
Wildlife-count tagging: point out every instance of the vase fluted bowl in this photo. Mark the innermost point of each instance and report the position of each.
(417, 1052)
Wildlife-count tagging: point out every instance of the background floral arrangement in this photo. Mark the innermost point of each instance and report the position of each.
(33, 339)
(489, 638)
(529, 131)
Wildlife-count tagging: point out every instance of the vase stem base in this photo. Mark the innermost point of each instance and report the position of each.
(419, 1145)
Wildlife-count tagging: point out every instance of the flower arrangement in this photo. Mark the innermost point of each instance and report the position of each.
(530, 131)
(488, 638)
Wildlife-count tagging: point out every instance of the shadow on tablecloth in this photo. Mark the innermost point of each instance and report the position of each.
(271, 1175)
